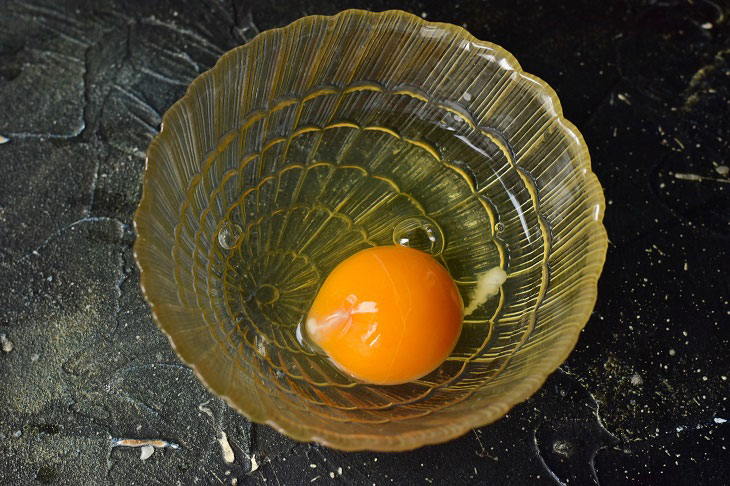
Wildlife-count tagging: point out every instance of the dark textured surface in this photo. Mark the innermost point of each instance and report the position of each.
(642, 399)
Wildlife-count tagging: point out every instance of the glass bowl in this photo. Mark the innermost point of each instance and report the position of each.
(333, 134)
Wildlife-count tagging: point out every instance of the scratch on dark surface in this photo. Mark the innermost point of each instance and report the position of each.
(596, 403)
(108, 336)
(139, 405)
(123, 278)
(46, 136)
(199, 40)
(720, 13)
(100, 63)
(184, 56)
(40, 15)
(146, 107)
(550, 472)
(60, 231)
(94, 181)
(566, 453)
(483, 452)
(592, 463)
(68, 20)
(58, 55)
(60, 33)
(162, 77)
(150, 127)
(273, 472)
(244, 29)
(216, 476)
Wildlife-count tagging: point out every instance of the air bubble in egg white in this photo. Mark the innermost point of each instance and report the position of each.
(229, 236)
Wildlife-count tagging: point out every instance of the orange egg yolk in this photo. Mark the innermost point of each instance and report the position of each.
(387, 315)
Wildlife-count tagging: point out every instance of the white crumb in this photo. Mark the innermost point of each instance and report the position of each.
(206, 410)
(228, 455)
(145, 452)
(6, 344)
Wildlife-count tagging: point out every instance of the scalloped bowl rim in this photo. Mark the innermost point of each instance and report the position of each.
(529, 385)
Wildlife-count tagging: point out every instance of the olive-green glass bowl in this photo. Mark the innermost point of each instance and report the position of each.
(334, 134)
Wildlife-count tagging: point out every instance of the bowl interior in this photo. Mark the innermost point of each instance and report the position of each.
(338, 133)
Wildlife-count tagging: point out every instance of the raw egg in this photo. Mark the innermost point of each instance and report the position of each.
(387, 315)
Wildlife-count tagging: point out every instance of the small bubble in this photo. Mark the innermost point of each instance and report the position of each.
(499, 227)
(229, 236)
(420, 233)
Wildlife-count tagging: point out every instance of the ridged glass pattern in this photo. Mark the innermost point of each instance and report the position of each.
(334, 134)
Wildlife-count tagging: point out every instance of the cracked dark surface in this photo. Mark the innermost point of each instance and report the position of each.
(643, 399)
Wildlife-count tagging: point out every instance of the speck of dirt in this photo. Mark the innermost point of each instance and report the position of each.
(6, 344)
(563, 448)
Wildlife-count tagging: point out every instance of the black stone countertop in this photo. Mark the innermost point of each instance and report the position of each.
(643, 399)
